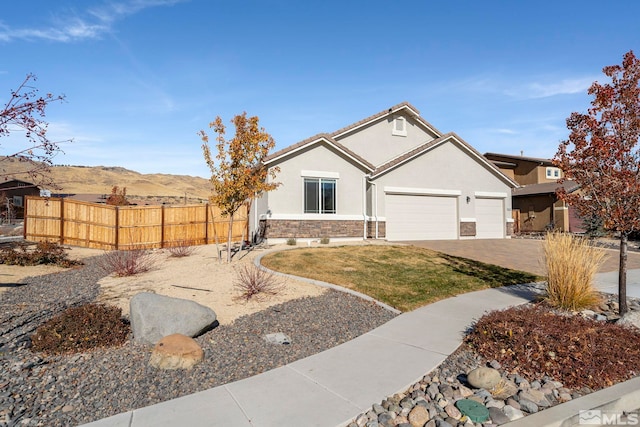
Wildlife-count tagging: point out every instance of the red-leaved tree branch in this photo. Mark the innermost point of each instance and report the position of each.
(602, 155)
(24, 114)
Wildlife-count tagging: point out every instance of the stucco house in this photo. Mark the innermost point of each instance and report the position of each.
(391, 175)
(536, 207)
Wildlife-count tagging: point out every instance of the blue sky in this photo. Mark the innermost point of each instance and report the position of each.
(142, 77)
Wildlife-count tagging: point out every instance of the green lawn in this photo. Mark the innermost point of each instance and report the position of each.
(404, 277)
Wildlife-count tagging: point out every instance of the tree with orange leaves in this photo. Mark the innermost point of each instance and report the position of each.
(602, 155)
(237, 171)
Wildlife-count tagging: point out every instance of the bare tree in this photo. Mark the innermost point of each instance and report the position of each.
(24, 114)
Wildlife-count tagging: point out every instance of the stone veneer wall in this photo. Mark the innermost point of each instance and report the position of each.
(303, 229)
(467, 229)
(371, 229)
(510, 228)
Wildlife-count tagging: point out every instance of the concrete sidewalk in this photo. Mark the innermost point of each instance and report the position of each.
(334, 386)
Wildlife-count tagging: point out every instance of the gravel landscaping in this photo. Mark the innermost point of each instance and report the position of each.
(75, 389)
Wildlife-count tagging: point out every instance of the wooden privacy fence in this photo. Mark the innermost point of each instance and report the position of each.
(94, 225)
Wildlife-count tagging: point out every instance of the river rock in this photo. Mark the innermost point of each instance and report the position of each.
(483, 377)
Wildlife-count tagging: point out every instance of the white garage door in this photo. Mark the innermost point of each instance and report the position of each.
(412, 217)
(489, 219)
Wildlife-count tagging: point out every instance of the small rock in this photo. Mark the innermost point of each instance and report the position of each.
(483, 377)
(512, 413)
(513, 403)
(631, 318)
(67, 408)
(564, 397)
(535, 396)
(452, 411)
(378, 409)
(528, 406)
(495, 404)
(497, 416)
(176, 351)
(418, 416)
(495, 364)
(504, 389)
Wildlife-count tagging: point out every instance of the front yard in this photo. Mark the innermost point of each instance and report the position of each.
(404, 277)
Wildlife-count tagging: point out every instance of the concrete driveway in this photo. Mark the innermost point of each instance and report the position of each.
(517, 254)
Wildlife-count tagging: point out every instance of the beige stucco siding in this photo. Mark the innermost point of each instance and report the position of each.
(447, 167)
(377, 144)
(288, 200)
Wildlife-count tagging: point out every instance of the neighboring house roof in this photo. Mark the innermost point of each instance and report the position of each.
(545, 188)
(14, 184)
(318, 139)
(510, 158)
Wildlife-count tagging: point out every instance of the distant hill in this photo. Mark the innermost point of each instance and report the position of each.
(101, 179)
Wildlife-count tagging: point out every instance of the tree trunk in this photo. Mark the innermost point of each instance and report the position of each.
(622, 276)
(229, 237)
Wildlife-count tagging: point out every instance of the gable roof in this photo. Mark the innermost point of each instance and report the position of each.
(403, 106)
(331, 138)
(451, 136)
(319, 139)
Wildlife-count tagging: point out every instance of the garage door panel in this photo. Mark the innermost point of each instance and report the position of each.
(413, 217)
(490, 221)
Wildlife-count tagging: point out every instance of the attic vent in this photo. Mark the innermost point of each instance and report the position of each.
(399, 126)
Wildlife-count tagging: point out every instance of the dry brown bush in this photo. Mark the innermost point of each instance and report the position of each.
(254, 282)
(127, 263)
(80, 329)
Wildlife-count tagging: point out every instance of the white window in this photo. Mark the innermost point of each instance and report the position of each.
(319, 195)
(553, 173)
(399, 126)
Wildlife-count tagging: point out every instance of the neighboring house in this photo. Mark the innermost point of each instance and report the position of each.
(12, 197)
(392, 175)
(536, 206)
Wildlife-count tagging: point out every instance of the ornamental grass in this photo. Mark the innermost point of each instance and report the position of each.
(571, 263)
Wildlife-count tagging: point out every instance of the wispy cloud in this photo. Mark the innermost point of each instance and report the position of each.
(77, 26)
(549, 88)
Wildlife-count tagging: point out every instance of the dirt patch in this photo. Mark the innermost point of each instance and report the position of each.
(200, 277)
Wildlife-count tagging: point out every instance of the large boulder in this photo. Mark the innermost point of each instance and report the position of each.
(176, 351)
(156, 316)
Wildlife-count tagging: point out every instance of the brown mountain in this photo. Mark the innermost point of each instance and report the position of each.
(101, 179)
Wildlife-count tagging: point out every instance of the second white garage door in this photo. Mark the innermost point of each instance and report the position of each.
(489, 219)
(414, 217)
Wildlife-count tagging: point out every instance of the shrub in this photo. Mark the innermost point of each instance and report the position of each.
(127, 263)
(80, 329)
(42, 253)
(182, 249)
(255, 282)
(291, 241)
(571, 264)
(324, 241)
(535, 341)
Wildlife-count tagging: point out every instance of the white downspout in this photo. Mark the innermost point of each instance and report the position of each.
(375, 205)
(364, 207)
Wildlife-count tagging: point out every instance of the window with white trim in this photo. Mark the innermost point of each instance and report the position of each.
(399, 126)
(17, 201)
(319, 195)
(553, 173)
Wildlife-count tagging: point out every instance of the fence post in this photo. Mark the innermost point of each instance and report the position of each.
(117, 238)
(206, 224)
(162, 226)
(62, 220)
